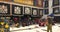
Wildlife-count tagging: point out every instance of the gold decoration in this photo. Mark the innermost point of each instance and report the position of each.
(24, 2)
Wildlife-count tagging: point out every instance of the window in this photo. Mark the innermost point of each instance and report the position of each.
(56, 10)
(17, 10)
(59, 9)
(55, 2)
(46, 11)
(59, 2)
(4, 8)
(34, 11)
(27, 10)
(46, 3)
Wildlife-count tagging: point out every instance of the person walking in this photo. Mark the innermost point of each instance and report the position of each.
(2, 25)
(49, 25)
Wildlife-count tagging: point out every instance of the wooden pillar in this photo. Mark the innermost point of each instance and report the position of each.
(10, 9)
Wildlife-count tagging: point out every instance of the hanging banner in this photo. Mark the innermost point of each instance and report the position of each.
(40, 3)
(27, 2)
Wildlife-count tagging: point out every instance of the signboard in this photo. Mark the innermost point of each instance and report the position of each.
(35, 11)
(4, 8)
(27, 2)
(27, 10)
(17, 10)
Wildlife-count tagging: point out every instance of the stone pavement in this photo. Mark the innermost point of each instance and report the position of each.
(33, 28)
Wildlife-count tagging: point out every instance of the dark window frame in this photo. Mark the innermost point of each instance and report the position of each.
(46, 11)
(29, 8)
(8, 7)
(46, 3)
(36, 12)
(54, 9)
(17, 6)
(55, 2)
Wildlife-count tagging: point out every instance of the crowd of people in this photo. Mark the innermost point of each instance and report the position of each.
(26, 21)
(5, 24)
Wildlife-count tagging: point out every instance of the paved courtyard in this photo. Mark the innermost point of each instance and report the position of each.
(55, 28)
